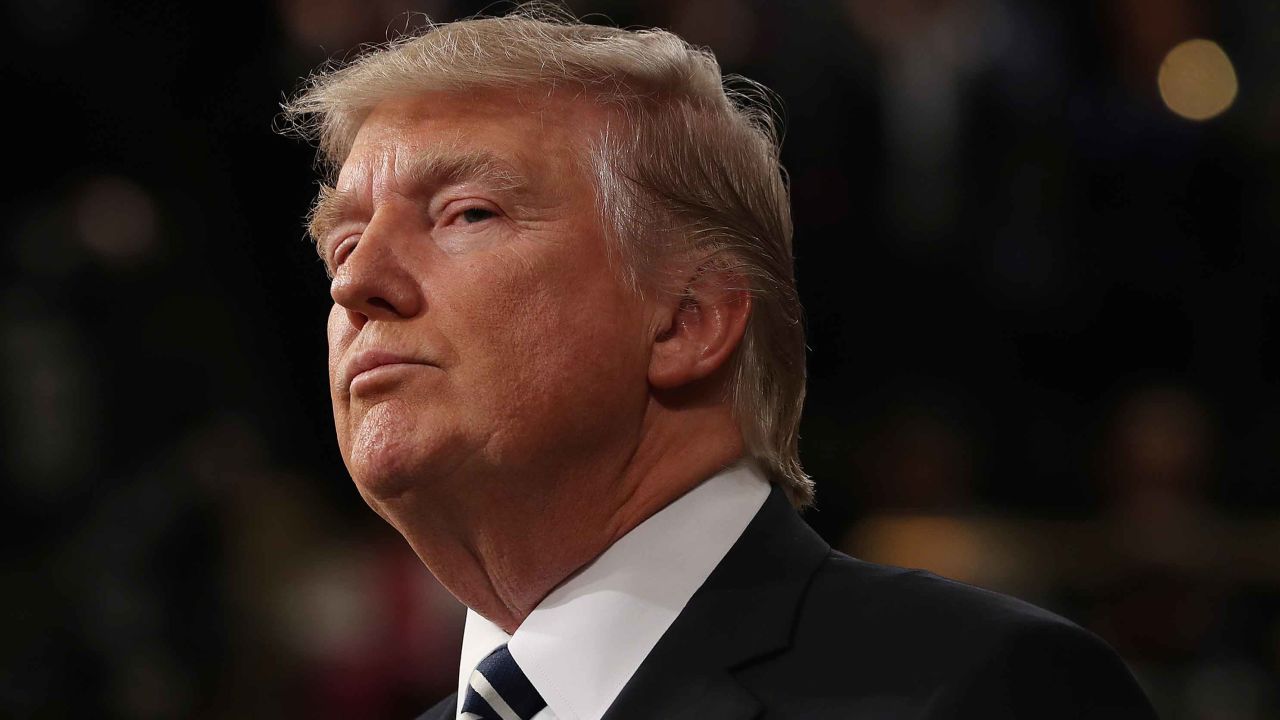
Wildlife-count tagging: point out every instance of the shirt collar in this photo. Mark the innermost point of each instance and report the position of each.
(585, 640)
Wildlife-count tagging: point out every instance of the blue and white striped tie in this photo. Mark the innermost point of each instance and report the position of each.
(498, 690)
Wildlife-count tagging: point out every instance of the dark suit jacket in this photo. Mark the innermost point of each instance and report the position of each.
(785, 627)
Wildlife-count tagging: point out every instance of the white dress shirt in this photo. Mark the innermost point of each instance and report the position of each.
(585, 640)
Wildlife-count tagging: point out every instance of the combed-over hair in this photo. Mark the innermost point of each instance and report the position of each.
(687, 167)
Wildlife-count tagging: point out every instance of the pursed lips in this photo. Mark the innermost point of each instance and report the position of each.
(367, 360)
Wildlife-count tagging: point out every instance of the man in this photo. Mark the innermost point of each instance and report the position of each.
(567, 364)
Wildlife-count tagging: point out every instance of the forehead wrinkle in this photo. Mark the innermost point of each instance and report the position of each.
(448, 164)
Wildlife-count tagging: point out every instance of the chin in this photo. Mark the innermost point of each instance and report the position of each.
(388, 455)
(383, 478)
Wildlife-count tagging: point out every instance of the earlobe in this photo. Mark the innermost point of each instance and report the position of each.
(702, 328)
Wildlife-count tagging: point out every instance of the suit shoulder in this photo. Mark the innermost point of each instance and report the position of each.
(941, 648)
(924, 600)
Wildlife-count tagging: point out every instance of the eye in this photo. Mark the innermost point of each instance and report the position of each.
(344, 248)
(475, 215)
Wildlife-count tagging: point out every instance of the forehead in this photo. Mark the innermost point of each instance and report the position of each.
(539, 134)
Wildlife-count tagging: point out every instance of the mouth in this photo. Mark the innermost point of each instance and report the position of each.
(366, 366)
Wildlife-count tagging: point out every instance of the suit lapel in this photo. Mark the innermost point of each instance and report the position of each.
(687, 693)
(744, 612)
(446, 709)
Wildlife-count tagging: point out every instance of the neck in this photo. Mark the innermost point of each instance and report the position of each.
(502, 556)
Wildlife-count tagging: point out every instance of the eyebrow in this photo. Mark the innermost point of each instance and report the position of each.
(426, 173)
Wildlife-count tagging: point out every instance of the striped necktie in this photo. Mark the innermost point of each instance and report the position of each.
(499, 690)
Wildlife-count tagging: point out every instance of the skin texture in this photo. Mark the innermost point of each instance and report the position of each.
(540, 409)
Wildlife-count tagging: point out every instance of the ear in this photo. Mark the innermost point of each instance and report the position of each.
(699, 328)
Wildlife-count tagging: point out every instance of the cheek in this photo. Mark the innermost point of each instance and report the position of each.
(340, 333)
(548, 344)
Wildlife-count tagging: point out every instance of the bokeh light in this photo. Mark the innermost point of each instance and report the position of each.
(1197, 80)
(117, 219)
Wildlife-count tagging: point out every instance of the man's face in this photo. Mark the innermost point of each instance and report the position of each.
(471, 274)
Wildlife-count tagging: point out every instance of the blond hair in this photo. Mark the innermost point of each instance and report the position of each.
(689, 170)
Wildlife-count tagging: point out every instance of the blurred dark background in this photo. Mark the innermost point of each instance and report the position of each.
(1037, 244)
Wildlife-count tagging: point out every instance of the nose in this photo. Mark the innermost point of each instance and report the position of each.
(376, 282)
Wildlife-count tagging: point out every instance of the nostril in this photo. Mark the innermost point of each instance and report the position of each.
(381, 304)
